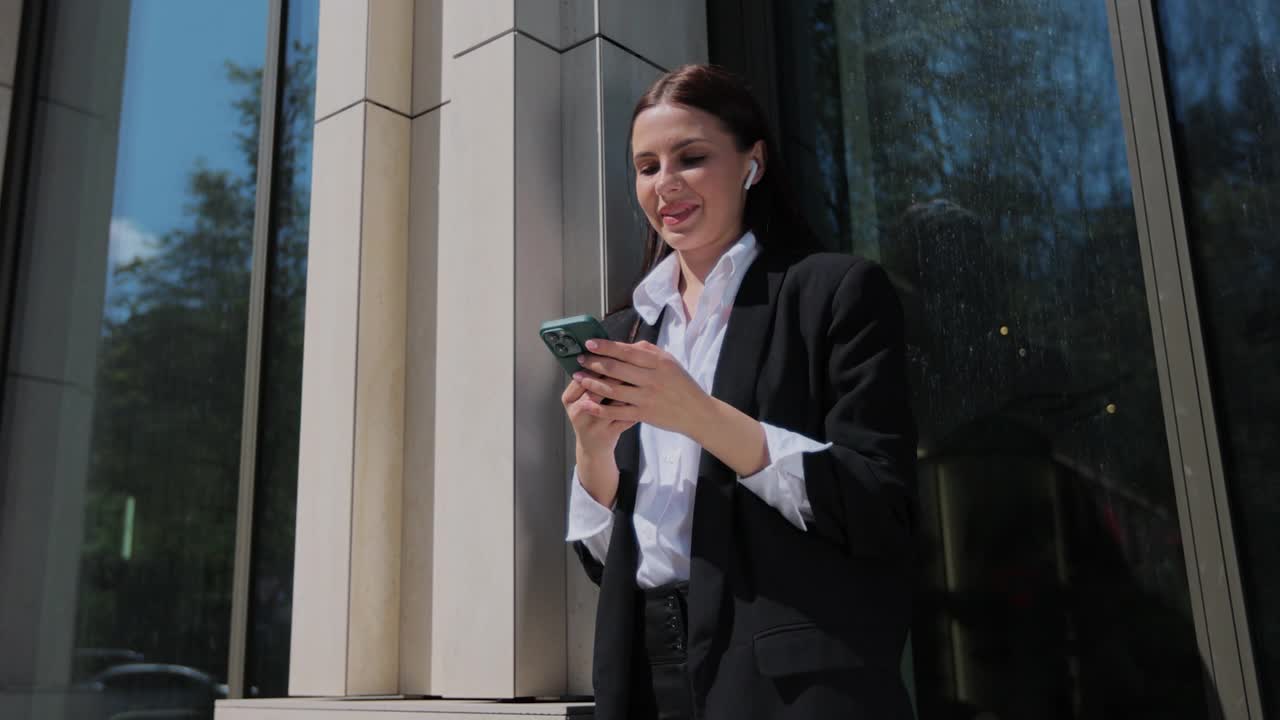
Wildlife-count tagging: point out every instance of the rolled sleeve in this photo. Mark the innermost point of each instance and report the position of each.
(781, 484)
(589, 521)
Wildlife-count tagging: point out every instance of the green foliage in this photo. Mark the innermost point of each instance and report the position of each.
(169, 400)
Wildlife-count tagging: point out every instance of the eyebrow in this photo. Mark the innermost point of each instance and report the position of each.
(677, 146)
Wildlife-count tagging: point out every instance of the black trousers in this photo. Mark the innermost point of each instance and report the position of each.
(660, 686)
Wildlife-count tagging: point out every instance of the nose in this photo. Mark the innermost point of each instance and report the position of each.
(667, 181)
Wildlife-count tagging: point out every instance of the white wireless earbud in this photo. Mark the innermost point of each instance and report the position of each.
(751, 175)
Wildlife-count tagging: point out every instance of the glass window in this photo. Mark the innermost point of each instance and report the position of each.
(1223, 66)
(276, 484)
(121, 428)
(977, 151)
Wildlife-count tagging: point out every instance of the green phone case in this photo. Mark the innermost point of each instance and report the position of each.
(567, 338)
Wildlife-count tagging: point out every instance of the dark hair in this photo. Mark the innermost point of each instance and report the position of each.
(771, 212)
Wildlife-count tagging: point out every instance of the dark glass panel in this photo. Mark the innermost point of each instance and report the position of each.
(1223, 65)
(977, 151)
(121, 429)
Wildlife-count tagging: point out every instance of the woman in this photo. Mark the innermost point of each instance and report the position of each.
(744, 489)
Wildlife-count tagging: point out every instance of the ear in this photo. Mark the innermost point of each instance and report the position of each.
(761, 157)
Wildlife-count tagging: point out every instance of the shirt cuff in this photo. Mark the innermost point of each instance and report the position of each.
(781, 483)
(589, 521)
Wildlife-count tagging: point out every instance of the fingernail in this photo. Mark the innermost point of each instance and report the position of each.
(579, 376)
(582, 359)
(592, 344)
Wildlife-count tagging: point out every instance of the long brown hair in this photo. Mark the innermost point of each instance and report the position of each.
(771, 212)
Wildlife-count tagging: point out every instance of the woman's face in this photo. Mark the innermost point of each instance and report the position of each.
(689, 177)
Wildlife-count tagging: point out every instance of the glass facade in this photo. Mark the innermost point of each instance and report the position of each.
(978, 152)
(1223, 67)
(120, 438)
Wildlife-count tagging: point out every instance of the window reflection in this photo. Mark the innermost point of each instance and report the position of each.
(1223, 66)
(977, 151)
(121, 432)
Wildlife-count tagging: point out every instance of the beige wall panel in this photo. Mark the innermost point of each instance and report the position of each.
(389, 78)
(428, 55)
(624, 78)
(341, 54)
(541, 19)
(373, 666)
(46, 458)
(581, 180)
(56, 327)
(540, 491)
(10, 20)
(472, 648)
(577, 21)
(318, 645)
(419, 419)
(583, 263)
(468, 23)
(667, 32)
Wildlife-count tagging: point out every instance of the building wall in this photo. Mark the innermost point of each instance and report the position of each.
(514, 206)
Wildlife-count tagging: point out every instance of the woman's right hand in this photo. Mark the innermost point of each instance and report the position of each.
(596, 439)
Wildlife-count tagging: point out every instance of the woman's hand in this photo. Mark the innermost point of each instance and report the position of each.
(645, 383)
(596, 439)
(597, 436)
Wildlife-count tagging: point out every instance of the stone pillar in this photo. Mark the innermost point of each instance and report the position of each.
(498, 577)
(346, 606)
(441, 484)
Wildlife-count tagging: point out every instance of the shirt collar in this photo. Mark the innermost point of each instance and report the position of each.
(661, 287)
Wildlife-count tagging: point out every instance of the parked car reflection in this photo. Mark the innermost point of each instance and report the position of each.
(156, 691)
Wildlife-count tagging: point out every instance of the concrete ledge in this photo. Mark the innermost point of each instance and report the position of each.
(382, 708)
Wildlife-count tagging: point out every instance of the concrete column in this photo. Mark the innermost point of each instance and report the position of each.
(497, 582)
(418, 510)
(346, 607)
(630, 45)
(517, 209)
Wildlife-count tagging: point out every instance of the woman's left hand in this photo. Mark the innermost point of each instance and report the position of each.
(646, 383)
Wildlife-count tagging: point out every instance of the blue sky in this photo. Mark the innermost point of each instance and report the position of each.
(177, 106)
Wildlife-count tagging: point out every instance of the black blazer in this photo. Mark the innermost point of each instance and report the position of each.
(785, 623)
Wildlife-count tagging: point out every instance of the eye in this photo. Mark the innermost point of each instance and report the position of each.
(648, 169)
(695, 159)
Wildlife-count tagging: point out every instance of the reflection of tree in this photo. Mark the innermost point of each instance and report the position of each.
(1034, 372)
(169, 397)
(1010, 110)
(1223, 62)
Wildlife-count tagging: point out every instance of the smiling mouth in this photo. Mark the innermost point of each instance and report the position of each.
(675, 218)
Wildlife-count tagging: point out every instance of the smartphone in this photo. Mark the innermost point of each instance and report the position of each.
(567, 338)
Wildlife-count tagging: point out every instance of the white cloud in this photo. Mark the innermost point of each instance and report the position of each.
(130, 241)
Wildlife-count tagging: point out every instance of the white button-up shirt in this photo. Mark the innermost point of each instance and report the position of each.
(663, 515)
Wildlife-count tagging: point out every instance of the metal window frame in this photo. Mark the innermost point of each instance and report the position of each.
(1213, 573)
(249, 430)
(1195, 455)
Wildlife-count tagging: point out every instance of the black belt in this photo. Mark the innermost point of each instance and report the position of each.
(664, 632)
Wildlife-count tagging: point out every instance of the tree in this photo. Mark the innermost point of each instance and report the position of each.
(169, 394)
